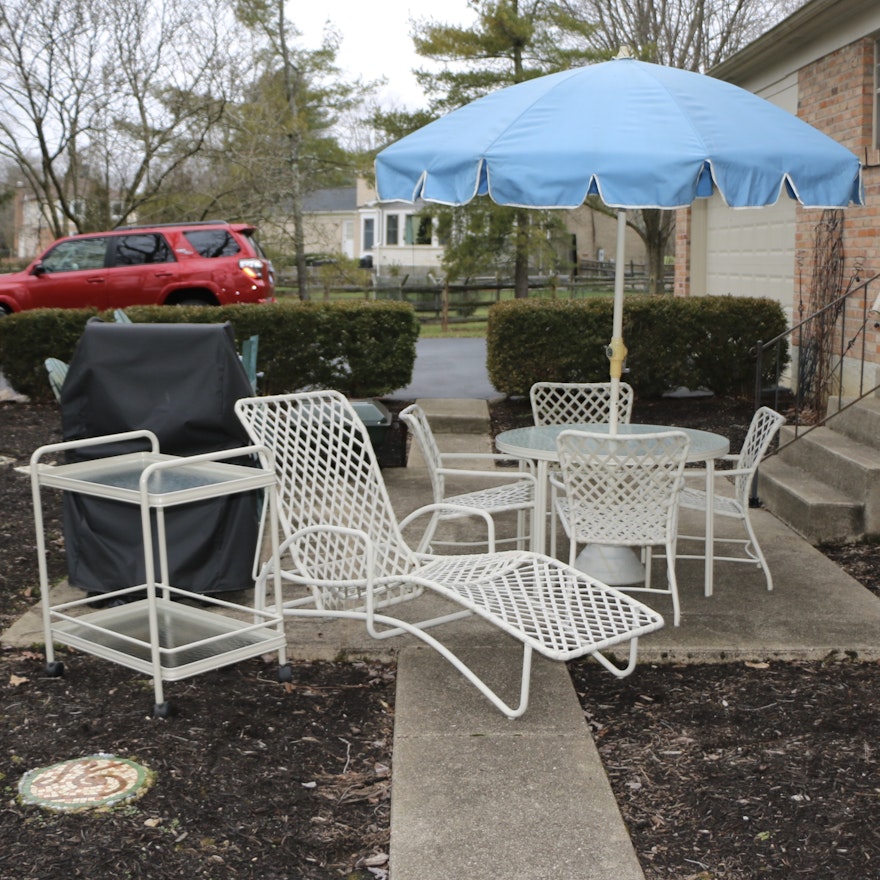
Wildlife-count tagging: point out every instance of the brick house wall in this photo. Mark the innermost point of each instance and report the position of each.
(836, 93)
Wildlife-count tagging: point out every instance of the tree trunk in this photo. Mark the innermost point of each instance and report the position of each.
(658, 228)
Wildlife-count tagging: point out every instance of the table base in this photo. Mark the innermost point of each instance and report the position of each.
(611, 564)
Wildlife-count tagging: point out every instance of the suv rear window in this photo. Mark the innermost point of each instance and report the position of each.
(212, 242)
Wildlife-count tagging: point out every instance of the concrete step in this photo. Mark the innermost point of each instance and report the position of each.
(814, 509)
(846, 465)
(455, 415)
(860, 422)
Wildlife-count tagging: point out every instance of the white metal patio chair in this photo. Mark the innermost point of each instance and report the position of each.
(578, 403)
(347, 556)
(575, 403)
(513, 491)
(623, 491)
(763, 428)
(57, 371)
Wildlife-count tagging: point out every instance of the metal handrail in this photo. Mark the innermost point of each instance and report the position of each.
(775, 348)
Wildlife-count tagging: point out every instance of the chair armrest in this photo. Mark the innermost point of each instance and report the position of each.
(701, 472)
(555, 480)
(518, 476)
(303, 539)
(463, 509)
(498, 457)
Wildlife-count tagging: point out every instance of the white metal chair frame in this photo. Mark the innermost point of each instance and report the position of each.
(515, 491)
(763, 428)
(575, 403)
(348, 557)
(624, 491)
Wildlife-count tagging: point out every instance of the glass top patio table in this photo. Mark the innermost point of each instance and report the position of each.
(539, 442)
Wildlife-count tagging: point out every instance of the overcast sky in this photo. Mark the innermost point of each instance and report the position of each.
(376, 38)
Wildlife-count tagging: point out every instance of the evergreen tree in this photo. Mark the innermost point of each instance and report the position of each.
(511, 41)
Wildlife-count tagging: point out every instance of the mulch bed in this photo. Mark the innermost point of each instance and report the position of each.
(729, 771)
(743, 770)
(255, 780)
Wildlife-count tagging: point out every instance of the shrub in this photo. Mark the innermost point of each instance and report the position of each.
(698, 342)
(362, 349)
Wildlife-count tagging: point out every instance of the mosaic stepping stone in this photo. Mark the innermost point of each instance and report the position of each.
(86, 783)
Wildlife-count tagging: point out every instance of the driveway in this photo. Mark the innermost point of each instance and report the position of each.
(449, 368)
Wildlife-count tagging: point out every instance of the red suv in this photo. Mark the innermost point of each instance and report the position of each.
(202, 263)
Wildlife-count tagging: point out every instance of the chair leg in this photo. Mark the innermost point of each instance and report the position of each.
(425, 541)
(672, 581)
(753, 548)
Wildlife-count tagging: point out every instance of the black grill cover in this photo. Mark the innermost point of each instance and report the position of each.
(181, 382)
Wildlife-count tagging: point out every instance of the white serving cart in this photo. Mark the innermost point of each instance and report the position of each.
(172, 633)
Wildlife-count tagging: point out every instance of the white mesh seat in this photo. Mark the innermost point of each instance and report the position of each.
(345, 555)
(623, 491)
(575, 403)
(514, 491)
(763, 428)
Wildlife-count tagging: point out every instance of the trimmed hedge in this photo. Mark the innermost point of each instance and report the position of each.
(697, 342)
(363, 349)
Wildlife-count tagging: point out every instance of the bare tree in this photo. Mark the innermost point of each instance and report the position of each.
(690, 34)
(100, 102)
(285, 128)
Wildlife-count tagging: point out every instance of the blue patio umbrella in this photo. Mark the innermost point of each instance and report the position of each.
(637, 135)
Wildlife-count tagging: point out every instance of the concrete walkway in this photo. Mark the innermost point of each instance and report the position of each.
(479, 797)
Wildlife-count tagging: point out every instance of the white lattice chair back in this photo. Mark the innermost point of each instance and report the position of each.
(416, 421)
(328, 475)
(578, 403)
(622, 490)
(764, 425)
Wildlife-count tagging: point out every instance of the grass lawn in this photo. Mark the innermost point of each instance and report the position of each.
(473, 325)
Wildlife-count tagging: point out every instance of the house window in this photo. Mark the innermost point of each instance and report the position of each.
(392, 222)
(369, 236)
(418, 229)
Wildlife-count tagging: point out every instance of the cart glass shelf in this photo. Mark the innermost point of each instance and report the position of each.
(190, 640)
(119, 477)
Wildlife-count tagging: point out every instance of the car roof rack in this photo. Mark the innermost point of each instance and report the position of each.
(184, 223)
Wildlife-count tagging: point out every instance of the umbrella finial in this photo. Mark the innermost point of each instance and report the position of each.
(624, 52)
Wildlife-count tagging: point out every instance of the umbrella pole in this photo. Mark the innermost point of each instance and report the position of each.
(614, 565)
(617, 350)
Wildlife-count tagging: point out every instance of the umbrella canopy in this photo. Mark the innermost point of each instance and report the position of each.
(638, 135)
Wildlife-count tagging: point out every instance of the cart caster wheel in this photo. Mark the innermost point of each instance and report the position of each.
(55, 669)
(162, 710)
(285, 673)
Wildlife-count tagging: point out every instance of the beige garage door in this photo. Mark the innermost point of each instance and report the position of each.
(751, 252)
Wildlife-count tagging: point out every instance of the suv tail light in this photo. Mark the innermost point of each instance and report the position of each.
(252, 268)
